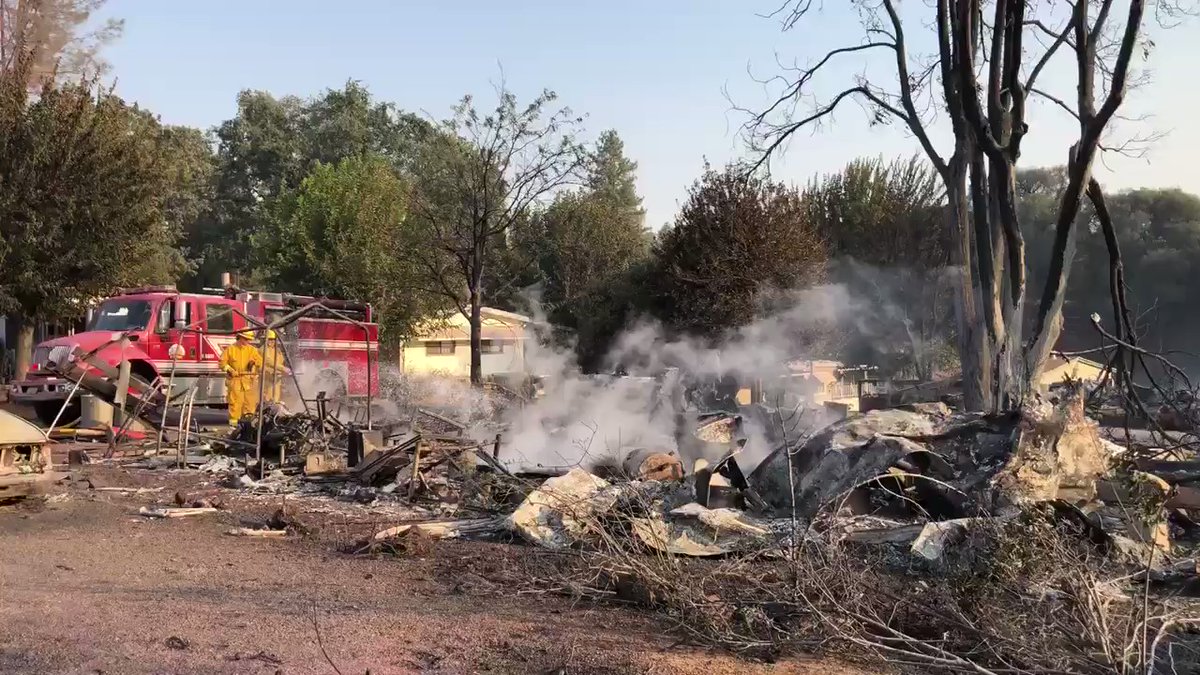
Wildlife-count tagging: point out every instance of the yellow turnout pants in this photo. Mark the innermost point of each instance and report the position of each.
(242, 394)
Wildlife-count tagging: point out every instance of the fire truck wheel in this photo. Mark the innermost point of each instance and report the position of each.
(144, 371)
(47, 410)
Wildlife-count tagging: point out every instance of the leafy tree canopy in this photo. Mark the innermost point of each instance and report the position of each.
(345, 232)
(268, 148)
(82, 186)
(737, 235)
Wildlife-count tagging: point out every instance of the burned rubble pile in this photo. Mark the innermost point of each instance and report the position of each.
(1028, 542)
(898, 476)
(1025, 542)
(422, 459)
(916, 476)
(887, 508)
(908, 476)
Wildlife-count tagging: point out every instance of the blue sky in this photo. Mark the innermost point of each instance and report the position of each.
(657, 71)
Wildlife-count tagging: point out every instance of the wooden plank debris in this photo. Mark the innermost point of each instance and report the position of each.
(394, 457)
(446, 420)
(903, 534)
(128, 490)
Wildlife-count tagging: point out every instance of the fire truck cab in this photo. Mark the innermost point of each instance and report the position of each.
(327, 352)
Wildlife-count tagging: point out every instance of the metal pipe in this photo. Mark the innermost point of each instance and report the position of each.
(179, 442)
(191, 405)
(170, 385)
(128, 420)
(367, 343)
(328, 303)
(123, 375)
(262, 380)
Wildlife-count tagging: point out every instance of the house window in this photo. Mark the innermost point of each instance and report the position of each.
(491, 347)
(443, 348)
(218, 317)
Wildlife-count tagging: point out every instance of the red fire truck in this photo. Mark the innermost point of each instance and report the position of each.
(330, 351)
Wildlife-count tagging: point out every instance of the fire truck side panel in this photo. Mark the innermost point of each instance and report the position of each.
(332, 346)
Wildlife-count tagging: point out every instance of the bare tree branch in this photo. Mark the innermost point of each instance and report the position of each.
(1057, 101)
(906, 94)
(824, 111)
(1060, 39)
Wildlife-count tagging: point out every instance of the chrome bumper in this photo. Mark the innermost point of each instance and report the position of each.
(40, 389)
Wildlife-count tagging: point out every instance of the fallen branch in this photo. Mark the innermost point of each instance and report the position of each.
(128, 490)
(320, 642)
(174, 513)
(251, 532)
(454, 423)
(445, 529)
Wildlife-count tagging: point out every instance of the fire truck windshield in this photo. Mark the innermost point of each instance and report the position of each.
(120, 315)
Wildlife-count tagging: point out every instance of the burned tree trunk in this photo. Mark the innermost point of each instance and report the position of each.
(24, 352)
(987, 72)
(476, 319)
(1122, 317)
(972, 338)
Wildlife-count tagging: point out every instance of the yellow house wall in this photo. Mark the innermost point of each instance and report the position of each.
(1077, 370)
(417, 362)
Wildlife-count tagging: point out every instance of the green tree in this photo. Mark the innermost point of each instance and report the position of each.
(190, 166)
(271, 145)
(1158, 231)
(349, 122)
(885, 227)
(82, 185)
(479, 176)
(345, 233)
(585, 242)
(259, 155)
(737, 236)
(612, 177)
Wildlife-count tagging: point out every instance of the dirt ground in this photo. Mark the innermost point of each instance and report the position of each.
(88, 586)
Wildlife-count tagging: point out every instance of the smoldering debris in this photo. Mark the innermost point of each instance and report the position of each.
(930, 505)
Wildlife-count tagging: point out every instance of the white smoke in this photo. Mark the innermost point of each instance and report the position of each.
(583, 419)
(789, 330)
(591, 419)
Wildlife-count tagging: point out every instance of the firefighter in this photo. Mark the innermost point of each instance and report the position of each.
(274, 370)
(241, 363)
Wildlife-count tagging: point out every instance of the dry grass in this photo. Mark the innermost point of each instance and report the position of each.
(1030, 595)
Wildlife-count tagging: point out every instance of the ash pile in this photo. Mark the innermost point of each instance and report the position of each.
(747, 478)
